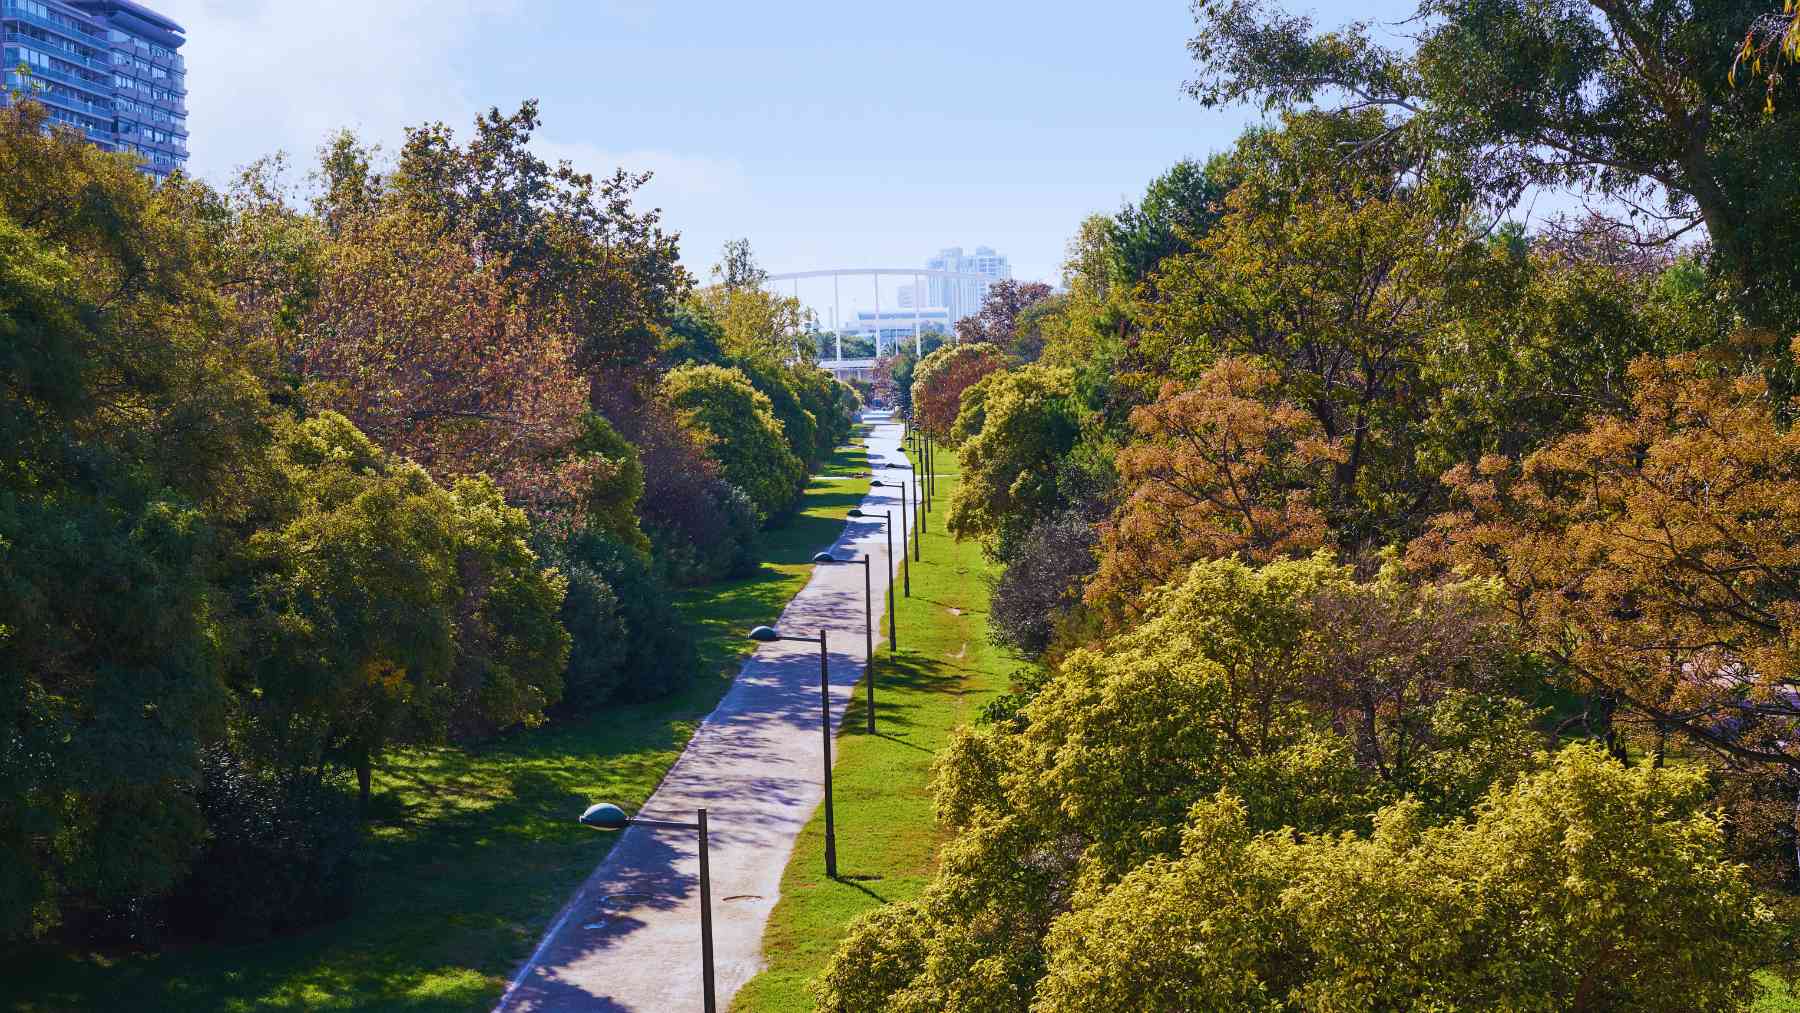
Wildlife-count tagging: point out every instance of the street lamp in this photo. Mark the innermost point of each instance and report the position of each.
(869, 618)
(890, 484)
(606, 816)
(930, 483)
(768, 635)
(886, 517)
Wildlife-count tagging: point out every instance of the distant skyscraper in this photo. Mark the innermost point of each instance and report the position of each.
(108, 68)
(962, 296)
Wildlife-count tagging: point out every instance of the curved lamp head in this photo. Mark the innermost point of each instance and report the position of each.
(858, 513)
(766, 634)
(605, 816)
(825, 557)
(878, 484)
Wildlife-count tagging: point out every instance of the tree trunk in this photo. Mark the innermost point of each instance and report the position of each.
(365, 773)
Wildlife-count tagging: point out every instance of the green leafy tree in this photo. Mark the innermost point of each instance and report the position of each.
(1586, 886)
(1028, 423)
(1631, 102)
(1229, 683)
(738, 427)
(132, 421)
(386, 608)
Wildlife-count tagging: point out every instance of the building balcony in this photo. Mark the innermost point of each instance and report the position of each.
(50, 73)
(51, 98)
(12, 11)
(55, 48)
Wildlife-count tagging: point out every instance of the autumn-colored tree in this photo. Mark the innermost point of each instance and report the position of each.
(568, 242)
(430, 352)
(1225, 468)
(1655, 554)
(1332, 272)
(1005, 318)
(940, 379)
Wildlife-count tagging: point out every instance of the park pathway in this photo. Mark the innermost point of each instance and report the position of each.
(629, 939)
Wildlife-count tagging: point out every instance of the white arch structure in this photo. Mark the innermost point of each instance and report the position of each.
(875, 274)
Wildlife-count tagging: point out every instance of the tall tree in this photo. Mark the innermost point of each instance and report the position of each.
(1630, 101)
(1654, 555)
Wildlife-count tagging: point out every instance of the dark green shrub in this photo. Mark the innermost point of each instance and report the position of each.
(280, 853)
(630, 644)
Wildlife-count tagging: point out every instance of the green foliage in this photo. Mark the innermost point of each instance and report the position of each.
(738, 427)
(1587, 884)
(1178, 209)
(281, 853)
(1231, 682)
(799, 425)
(122, 422)
(614, 478)
(1022, 424)
(1631, 101)
(629, 643)
(387, 608)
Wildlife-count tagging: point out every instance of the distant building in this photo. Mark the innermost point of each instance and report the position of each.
(891, 327)
(962, 296)
(108, 68)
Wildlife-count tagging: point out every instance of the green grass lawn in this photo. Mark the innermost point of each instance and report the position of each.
(887, 841)
(471, 852)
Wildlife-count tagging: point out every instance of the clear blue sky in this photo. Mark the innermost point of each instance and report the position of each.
(830, 134)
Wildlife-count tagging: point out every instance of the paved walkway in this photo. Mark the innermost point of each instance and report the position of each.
(630, 937)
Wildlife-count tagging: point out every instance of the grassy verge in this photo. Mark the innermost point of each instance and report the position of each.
(470, 851)
(887, 840)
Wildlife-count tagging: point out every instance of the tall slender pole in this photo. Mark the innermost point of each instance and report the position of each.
(905, 560)
(869, 630)
(930, 471)
(918, 520)
(706, 935)
(825, 727)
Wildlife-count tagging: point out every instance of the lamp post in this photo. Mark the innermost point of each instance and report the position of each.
(869, 618)
(886, 517)
(605, 816)
(768, 635)
(930, 482)
(889, 484)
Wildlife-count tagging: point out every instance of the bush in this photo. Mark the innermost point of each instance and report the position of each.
(280, 853)
(630, 644)
(737, 425)
(1041, 583)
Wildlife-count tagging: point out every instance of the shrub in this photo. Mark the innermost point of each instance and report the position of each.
(630, 644)
(280, 853)
(1041, 583)
(737, 426)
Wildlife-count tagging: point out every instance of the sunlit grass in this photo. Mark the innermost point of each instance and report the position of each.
(470, 852)
(887, 839)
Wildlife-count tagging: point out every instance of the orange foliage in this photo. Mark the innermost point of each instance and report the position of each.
(1657, 554)
(941, 378)
(1220, 469)
(434, 355)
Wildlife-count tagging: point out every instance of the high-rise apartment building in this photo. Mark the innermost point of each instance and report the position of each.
(108, 68)
(962, 296)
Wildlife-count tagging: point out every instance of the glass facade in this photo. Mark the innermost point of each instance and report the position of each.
(109, 68)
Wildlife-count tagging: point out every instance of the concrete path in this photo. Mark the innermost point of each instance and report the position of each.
(630, 937)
